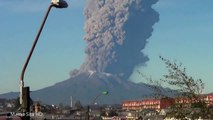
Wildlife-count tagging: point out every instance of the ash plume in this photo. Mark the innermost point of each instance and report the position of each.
(116, 31)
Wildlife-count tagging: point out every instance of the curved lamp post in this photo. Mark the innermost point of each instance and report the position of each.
(25, 92)
(100, 94)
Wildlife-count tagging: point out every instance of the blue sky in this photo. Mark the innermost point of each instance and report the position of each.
(184, 33)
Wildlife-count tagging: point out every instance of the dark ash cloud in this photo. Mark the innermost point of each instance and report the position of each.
(116, 31)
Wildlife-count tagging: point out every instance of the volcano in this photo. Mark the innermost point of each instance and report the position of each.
(116, 32)
(86, 87)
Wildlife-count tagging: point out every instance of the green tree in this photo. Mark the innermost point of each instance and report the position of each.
(188, 87)
(178, 78)
(103, 113)
(78, 105)
(112, 113)
(185, 87)
(17, 103)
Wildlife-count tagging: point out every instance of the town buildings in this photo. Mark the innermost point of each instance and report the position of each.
(209, 100)
(156, 104)
(163, 103)
(129, 109)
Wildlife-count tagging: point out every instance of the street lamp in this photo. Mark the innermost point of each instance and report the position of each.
(59, 3)
(24, 91)
(100, 94)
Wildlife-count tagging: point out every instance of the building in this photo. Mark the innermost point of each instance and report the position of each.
(36, 107)
(184, 102)
(156, 104)
(209, 100)
(2, 104)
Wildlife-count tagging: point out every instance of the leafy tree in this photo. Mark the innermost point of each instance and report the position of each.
(112, 113)
(17, 103)
(103, 113)
(78, 105)
(189, 88)
(177, 77)
(186, 88)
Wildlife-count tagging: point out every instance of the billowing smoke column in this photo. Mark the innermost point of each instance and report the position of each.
(116, 32)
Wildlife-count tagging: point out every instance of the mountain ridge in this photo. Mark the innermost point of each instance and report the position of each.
(85, 87)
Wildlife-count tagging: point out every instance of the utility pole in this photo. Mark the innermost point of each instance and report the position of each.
(71, 101)
(88, 107)
(25, 91)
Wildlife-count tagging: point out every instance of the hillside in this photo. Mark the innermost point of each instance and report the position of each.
(85, 87)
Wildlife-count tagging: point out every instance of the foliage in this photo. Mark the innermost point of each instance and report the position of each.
(17, 103)
(190, 90)
(112, 113)
(187, 88)
(103, 113)
(177, 77)
(78, 105)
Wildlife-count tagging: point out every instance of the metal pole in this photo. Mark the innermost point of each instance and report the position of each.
(24, 99)
(87, 116)
(88, 107)
(26, 104)
(93, 102)
(35, 42)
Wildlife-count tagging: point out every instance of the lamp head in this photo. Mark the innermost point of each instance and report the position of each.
(105, 93)
(59, 3)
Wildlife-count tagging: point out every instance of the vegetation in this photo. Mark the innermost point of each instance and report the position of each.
(186, 87)
(78, 105)
(110, 113)
(17, 103)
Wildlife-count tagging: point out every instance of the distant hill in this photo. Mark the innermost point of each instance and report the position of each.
(9, 95)
(85, 87)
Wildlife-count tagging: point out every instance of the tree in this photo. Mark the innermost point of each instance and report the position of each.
(187, 88)
(112, 113)
(17, 103)
(177, 77)
(78, 105)
(103, 113)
